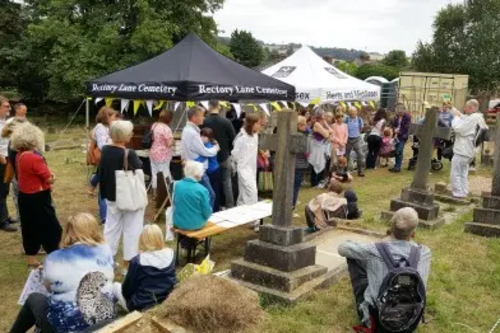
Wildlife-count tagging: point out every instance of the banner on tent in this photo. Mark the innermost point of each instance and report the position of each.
(352, 94)
(194, 91)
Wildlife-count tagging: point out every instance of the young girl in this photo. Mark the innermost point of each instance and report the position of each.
(213, 171)
(341, 172)
(387, 148)
(151, 274)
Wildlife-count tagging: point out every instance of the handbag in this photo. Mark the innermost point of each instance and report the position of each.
(131, 192)
(265, 181)
(93, 153)
(147, 139)
(9, 173)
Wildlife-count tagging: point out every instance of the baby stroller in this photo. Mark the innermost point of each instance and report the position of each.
(436, 164)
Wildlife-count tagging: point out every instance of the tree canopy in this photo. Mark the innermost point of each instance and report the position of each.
(365, 71)
(466, 40)
(68, 42)
(246, 49)
(396, 58)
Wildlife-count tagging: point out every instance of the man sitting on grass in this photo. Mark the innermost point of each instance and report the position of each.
(368, 268)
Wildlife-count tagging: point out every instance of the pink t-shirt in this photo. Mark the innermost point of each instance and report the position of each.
(162, 138)
(339, 135)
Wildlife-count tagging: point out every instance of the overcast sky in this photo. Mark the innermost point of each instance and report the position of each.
(371, 25)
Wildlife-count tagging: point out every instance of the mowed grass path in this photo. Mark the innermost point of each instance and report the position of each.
(463, 290)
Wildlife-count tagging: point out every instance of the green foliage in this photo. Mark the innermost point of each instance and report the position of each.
(12, 25)
(246, 49)
(367, 70)
(347, 67)
(466, 40)
(396, 58)
(71, 41)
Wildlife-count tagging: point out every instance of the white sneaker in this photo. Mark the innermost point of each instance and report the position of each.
(296, 216)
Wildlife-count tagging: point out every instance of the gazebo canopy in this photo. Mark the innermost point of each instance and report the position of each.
(190, 71)
(314, 78)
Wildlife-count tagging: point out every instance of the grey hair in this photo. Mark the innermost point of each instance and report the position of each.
(27, 137)
(474, 103)
(121, 130)
(404, 223)
(353, 109)
(193, 112)
(194, 170)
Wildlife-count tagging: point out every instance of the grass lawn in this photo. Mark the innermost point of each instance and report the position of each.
(464, 285)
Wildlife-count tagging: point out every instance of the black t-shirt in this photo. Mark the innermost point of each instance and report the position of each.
(112, 160)
(224, 134)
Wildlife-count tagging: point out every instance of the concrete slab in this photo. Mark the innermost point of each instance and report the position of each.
(327, 246)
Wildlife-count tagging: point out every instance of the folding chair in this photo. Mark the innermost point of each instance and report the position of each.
(169, 185)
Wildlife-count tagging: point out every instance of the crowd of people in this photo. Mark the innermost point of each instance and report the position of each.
(221, 165)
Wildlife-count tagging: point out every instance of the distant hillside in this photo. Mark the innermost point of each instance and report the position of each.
(338, 53)
(335, 52)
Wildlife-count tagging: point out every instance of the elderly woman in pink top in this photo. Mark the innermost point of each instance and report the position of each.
(338, 137)
(160, 153)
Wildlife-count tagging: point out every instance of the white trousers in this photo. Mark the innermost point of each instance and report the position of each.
(459, 176)
(157, 167)
(129, 224)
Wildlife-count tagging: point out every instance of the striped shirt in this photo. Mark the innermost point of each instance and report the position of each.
(376, 269)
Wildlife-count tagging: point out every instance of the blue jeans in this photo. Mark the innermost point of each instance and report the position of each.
(400, 147)
(205, 181)
(299, 176)
(103, 207)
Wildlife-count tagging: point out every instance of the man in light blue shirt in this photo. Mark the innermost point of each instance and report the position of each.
(367, 268)
(354, 128)
(193, 147)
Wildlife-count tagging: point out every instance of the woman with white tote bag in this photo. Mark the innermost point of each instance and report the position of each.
(122, 186)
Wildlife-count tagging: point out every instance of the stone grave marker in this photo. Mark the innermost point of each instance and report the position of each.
(486, 220)
(280, 265)
(418, 195)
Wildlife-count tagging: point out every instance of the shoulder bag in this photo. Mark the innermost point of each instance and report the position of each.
(131, 192)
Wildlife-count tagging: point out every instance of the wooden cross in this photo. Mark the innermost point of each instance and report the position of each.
(427, 132)
(286, 143)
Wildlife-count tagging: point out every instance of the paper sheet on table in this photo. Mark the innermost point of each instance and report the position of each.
(227, 225)
(216, 219)
(243, 216)
(266, 206)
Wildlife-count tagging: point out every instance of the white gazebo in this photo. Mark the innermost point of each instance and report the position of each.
(317, 81)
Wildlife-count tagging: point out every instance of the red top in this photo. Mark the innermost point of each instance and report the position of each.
(32, 173)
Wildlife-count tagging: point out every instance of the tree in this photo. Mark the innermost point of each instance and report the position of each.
(396, 58)
(347, 67)
(466, 40)
(72, 41)
(365, 71)
(12, 26)
(246, 49)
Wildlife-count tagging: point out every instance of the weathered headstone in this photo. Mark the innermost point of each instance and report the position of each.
(418, 195)
(279, 264)
(487, 218)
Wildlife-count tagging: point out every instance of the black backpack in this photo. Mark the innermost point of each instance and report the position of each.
(481, 136)
(402, 296)
(147, 139)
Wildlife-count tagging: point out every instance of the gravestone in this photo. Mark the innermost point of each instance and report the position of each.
(280, 265)
(486, 219)
(418, 195)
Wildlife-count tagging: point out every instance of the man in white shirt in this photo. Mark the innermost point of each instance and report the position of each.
(466, 127)
(193, 147)
(5, 222)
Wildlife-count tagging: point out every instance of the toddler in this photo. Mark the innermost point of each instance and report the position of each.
(387, 149)
(341, 172)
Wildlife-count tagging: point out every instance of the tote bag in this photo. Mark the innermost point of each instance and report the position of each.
(131, 192)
